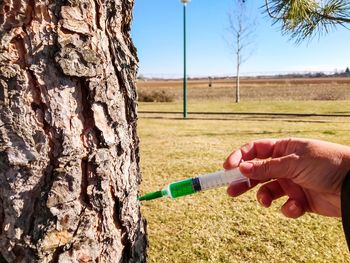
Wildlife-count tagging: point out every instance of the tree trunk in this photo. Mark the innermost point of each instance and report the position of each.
(69, 154)
(238, 59)
(238, 98)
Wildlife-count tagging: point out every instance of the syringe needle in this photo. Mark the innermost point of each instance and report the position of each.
(150, 196)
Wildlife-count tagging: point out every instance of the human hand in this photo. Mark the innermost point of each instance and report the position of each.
(309, 172)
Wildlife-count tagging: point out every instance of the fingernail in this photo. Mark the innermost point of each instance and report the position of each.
(292, 207)
(246, 148)
(260, 200)
(246, 167)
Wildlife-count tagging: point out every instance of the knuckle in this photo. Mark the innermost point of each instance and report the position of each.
(266, 168)
(262, 168)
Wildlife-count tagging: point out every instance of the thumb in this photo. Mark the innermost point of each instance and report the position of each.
(270, 169)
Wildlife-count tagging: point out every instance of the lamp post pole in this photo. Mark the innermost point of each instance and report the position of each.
(185, 77)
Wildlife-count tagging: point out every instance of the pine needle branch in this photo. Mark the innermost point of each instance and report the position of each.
(303, 19)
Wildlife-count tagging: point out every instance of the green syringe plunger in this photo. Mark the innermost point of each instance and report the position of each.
(196, 184)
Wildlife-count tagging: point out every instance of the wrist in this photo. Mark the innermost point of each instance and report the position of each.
(345, 204)
(345, 164)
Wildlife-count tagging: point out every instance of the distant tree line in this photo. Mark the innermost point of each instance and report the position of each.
(211, 79)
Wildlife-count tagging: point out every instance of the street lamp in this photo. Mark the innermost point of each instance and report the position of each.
(185, 77)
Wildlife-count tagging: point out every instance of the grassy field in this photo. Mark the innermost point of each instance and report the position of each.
(211, 226)
(256, 89)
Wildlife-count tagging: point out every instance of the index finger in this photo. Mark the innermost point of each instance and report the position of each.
(261, 149)
(236, 189)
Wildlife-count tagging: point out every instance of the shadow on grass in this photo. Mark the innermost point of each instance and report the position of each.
(213, 134)
(248, 116)
(273, 114)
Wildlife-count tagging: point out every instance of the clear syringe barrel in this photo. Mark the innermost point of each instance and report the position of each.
(221, 178)
(204, 182)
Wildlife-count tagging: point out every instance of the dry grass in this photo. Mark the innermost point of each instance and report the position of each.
(257, 89)
(155, 96)
(319, 107)
(210, 226)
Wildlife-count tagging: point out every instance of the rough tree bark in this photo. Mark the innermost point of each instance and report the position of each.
(69, 155)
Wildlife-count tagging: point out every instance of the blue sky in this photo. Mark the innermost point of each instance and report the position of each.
(158, 36)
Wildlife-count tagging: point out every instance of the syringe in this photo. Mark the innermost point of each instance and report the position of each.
(200, 183)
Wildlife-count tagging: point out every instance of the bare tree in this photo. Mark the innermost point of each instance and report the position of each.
(242, 27)
(69, 152)
(301, 19)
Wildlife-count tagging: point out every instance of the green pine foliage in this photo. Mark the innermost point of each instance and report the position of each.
(303, 19)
